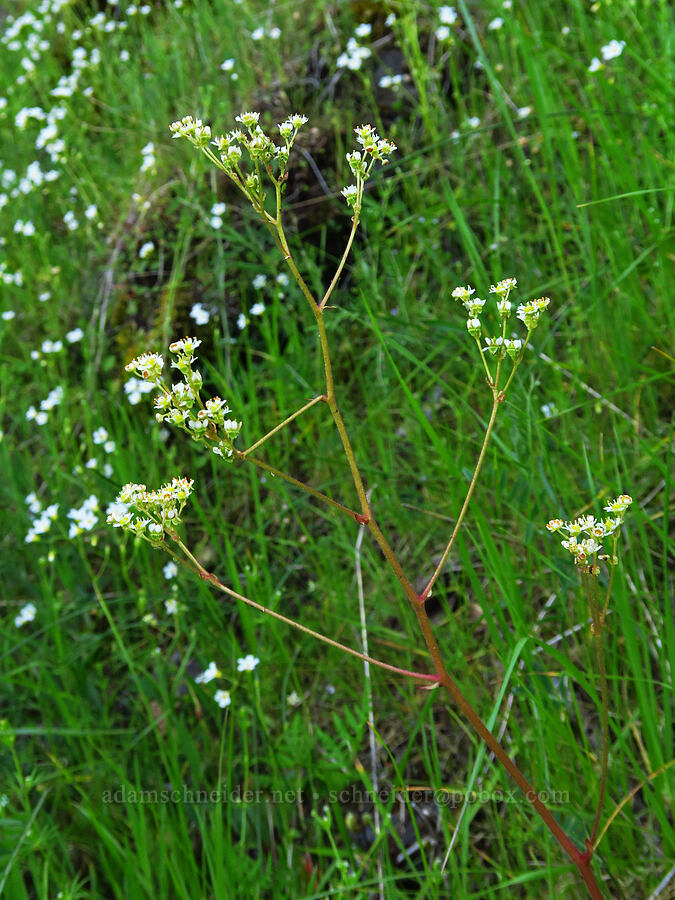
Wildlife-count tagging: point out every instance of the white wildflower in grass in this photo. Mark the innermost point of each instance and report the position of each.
(391, 82)
(222, 698)
(100, 436)
(171, 607)
(282, 279)
(74, 336)
(26, 614)
(242, 321)
(8, 315)
(523, 112)
(170, 570)
(447, 15)
(49, 346)
(258, 309)
(442, 33)
(227, 65)
(354, 56)
(363, 30)
(612, 50)
(595, 65)
(135, 388)
(209, 674)
(473, 122)
(146, 250)
(293, 699)
(83, 518)
(495, 24)
(70, 221)
(200, 314)
(259, 281)
(109, 447)
(247, 663)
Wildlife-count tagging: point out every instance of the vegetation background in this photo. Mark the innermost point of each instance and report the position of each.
(518, 155)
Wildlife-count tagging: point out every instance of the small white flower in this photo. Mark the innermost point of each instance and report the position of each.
(100, 436)
(523, 112)
(74, 336)
(442, 33)
(447, 15)
(26, 614)
(247, 663)
(473, 122)
(91, 211)
(227, 65)
(363, 30)
(258, 309)
(200, 314)
(222, 698)
(147, 248)
(242, 322)
(8, 315)
(612, 50)
(170, 570)
(171, 607)
(293, 699)
(258, 34)
(212, 671)
(259, 281)
(595, 65)
(495, 24)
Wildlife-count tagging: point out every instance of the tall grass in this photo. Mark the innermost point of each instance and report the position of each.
(99, 692)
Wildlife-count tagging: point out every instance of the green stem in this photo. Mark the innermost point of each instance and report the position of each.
(488, 432)
(208, 576)
(287, 421)
(331, 286)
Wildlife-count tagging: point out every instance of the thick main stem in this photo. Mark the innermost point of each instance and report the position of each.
(578, 858)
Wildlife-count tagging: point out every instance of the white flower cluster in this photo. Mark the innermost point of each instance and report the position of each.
(610, 51)
(499, 346)
(181, 404)
(83, 518)
(259, 146)
(158, 509)
(361, 161)
(244, 664)
(43, 517)
(584, 535)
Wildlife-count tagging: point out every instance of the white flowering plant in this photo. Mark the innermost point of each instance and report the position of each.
(254, 161)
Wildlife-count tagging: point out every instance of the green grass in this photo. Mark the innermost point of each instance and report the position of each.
(574, 199)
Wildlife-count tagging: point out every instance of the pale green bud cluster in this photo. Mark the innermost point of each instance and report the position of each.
(158, 510)
(181, 404)
(584, 535)
(361, 161)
